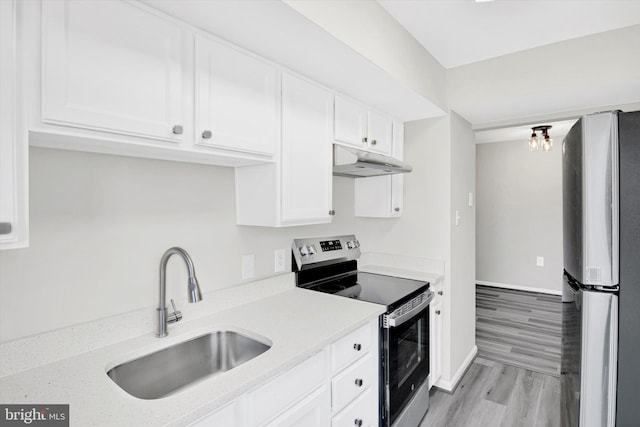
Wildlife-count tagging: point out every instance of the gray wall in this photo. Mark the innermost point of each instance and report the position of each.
(519, 215)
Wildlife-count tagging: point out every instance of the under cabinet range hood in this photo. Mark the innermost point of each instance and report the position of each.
(355, 163)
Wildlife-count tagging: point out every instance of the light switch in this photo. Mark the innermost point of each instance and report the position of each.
(248, 266)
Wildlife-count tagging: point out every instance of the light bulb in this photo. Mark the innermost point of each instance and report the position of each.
(533, 142)
(548, 143)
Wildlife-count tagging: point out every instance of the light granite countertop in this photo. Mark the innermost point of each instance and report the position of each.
(297, 322)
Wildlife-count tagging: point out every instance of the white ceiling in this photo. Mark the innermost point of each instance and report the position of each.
(459, 32)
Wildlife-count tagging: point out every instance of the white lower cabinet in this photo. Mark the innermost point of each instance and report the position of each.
(337, 386)
(435, 335)
(360, 413)
(228, 415)
(310, 412)
(282, 392)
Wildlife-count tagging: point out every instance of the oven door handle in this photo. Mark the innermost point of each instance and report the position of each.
(393, 320)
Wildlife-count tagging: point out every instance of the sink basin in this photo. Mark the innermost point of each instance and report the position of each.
(168, 370)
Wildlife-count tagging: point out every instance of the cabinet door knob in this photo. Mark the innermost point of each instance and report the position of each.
(396, 209)
(359, 382)
(438, 312)
(357, 347)
(364, 139)
(332, 212)
(177, 130)
(206, 134)
(374, 142)
(358, 422)
(439, 292)
(5, 228)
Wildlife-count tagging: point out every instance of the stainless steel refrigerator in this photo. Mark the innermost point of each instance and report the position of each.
(600, 373)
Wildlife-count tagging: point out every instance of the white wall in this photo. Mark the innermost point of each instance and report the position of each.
(367, 28)
(462, 312)
(100, 223)
(552, 80)
(519, 215)
(442, 153)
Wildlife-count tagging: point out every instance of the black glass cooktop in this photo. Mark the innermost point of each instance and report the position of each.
(376, 288)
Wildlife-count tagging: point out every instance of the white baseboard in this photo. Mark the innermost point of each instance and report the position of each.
(520, 288)
(450, 385)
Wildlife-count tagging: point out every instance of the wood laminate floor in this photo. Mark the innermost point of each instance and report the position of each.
(521, 329)
(492, 394)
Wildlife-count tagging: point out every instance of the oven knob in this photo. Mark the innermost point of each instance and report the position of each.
(359, 382)
(358, 422)
(311, 249)
(303, 250)
(352, 244)
(357, 347)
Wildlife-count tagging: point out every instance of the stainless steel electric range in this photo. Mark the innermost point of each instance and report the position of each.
(329, 265)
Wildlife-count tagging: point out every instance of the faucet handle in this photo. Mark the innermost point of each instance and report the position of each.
(176, 316)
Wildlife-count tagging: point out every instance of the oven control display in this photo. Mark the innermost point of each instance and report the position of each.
(330, 245)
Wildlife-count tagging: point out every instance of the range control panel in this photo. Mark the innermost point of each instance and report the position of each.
(318, 251)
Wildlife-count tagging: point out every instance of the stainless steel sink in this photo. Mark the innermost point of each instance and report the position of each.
(164, 372)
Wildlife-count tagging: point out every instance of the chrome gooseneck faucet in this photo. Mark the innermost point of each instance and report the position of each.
(165, 318)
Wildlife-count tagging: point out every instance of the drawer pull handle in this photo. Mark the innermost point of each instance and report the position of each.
(439, 292)
(374, 142)
(206, 134)
(177, 130)
(359, 382)
(357, 347)
(358, 422)
(438, 312)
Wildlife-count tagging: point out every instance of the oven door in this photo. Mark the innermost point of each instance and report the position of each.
(406, 358)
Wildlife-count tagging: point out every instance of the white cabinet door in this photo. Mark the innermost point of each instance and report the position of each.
(379, 132)
(312, 411)
(350, 122)
(435, 340)
(382, 196)
(227, 416)
(236, 99)
(111, 66)
(14, 164)
(282, 392)
(295, 189)
(306, 152)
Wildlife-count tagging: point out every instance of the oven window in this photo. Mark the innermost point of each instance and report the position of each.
(408, 356)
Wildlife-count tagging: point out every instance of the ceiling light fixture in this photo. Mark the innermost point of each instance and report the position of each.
(543, 141)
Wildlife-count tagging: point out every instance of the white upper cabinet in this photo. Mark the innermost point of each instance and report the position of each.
(382, 196)
(356, 125)
(114, 67)
(297, 188)
(236, 99)
(14, 215)
(306, 151)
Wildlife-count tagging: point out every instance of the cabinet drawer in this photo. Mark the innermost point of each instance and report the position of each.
(352, 382)
(351, 347)
(362, 412)
(270, 399)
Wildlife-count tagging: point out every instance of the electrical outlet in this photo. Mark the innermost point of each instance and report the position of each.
(248, 266)
(540, 261)
(279, 259)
